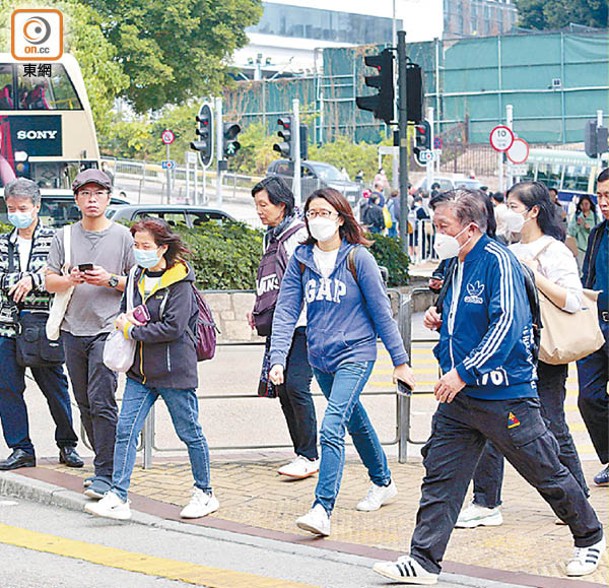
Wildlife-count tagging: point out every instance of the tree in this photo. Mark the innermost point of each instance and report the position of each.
(556, 14)
(173, 51)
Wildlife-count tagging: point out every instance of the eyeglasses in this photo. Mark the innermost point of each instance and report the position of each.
(320, 213)
(96, 195)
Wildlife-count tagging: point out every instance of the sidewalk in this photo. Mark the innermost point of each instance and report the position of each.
(528, 550)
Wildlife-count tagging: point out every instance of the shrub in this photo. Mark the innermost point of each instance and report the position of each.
(388, 252)
(224, 257)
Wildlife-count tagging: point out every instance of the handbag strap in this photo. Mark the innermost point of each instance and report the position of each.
(131, 284)
(67, 249)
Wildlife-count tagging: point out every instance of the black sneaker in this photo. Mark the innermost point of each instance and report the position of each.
(602, 478)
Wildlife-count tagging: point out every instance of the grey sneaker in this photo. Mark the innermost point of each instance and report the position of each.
(479, 516)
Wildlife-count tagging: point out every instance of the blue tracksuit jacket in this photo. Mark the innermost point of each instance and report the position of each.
(343, 316)
(486, 331)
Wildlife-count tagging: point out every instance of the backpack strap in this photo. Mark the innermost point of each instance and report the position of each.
(350, 263)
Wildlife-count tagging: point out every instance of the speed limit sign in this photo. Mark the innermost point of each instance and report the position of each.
(501, 138)
(167, 137)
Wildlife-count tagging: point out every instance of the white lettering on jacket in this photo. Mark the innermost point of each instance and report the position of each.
(328, 289)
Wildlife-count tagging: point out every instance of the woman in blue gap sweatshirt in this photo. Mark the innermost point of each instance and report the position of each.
(347, 307)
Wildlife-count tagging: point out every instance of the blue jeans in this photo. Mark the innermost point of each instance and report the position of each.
(345, 412)
(552, 391)
(52, 382)
(593, 401)
(184, 411)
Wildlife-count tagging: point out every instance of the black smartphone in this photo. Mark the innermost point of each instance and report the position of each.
(85, 267)
(404, 388)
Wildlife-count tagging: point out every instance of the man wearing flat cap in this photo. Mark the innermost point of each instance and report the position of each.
(101, 254)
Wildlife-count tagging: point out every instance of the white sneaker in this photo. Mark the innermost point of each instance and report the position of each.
(405, 571)
(201, 504)
(111, 507)
(586, 559)
(300, 468)
(316, 521)
(479, 516)
(378, 496)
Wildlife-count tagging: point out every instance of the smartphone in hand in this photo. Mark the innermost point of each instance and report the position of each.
(85, 267)
(141, 314)
(404, 389)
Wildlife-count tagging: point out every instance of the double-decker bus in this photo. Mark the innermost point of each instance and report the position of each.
(46, 128)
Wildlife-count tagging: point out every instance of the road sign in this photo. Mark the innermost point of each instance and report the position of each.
(168, 164)
(501, 138)
(517, 170)
(167, 137)
(437, 143)
(518, 152)
(191, 157)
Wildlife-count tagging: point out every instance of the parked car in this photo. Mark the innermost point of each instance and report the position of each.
(450, 183)
(58, 207)
(174, 214)
(316, 175)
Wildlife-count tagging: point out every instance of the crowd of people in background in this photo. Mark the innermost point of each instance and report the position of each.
(321, 304)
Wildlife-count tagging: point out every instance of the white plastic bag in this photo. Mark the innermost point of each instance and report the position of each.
(119, 353)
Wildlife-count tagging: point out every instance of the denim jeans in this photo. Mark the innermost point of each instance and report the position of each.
(552, 391)
(13, 411)
(296, 399)
(459, 432)
(344, 413)
(593, 401)
(183, 408)
(94, 387)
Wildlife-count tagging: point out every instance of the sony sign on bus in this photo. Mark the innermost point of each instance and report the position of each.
(37, 34)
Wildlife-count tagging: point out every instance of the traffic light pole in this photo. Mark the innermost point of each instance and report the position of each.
(219, 151)
(403, 139)
(296, 184)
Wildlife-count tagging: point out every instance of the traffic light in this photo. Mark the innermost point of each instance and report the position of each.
(231, 145)
(422, 139)
(204, 144)
(414, 93)
(285, 148)
(381, 105)
(595, 139)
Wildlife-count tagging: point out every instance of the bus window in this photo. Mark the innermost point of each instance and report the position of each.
(42, 92)
(576, 178)
(549, 174)
(6, 87)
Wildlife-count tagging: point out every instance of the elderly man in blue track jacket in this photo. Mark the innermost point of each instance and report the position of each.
(487, 391)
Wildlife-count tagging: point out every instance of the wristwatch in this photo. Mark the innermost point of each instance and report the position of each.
(113, 281)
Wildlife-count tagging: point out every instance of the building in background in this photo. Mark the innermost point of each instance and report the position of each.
(482, 18)
(291, 33)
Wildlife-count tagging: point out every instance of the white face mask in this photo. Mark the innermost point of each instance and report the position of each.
(514, 221)
(447, 246)
(323, 229)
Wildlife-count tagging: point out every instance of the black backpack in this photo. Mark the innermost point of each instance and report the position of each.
(268, 280)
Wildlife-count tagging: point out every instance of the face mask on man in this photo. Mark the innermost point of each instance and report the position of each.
(322, 229)
(21, 220)
(447, 246)
(146, 258)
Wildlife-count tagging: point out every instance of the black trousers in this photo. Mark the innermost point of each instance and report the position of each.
(296, 400)
(459, 432)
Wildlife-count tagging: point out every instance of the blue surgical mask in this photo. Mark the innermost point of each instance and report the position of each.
(146, 258)
(21, 220)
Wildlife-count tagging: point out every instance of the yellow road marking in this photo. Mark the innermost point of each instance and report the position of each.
(140, 563)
